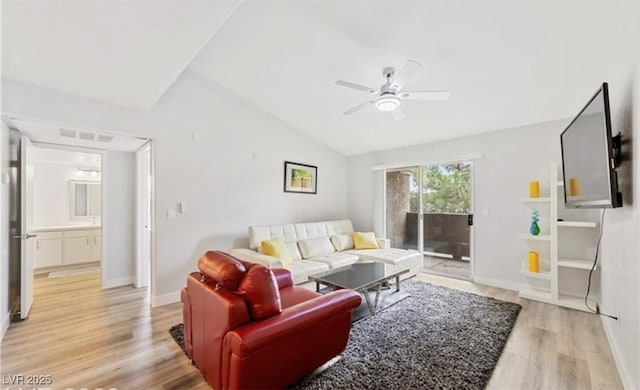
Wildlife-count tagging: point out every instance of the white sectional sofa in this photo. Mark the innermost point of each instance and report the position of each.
(318, 247)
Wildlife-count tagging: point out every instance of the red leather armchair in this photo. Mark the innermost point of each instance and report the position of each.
(249, 327)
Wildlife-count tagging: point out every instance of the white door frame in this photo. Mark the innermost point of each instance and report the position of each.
(144, 215)
(26, 226)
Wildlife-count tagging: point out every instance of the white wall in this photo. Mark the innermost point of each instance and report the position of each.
(119, 170)
(620, 271)
(51, 194)
(4, 231)
(225, 189)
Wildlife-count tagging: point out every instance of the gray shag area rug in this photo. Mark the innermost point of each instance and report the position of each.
(437, 338)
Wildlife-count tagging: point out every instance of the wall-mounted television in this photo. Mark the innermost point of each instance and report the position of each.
(590, 156)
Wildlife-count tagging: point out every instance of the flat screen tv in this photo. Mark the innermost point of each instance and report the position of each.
(590, 156)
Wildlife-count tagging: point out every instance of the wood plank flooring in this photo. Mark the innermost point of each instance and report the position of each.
(84, 337)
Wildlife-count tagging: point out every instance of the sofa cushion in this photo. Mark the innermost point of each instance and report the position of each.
(364, 240)
(300, 270)
(315, 247)
(342, 242)
(224, 269)
(260, 289)
(277, 248)
(336, 259)
(293, 249)
(391, 256)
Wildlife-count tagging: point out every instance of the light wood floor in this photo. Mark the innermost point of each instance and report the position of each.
(85, 337)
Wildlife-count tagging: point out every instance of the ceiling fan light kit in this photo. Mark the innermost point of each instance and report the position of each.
(387, 102)
(390, 95)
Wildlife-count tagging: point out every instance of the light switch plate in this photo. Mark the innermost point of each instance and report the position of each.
(171, 213)
(182, 207)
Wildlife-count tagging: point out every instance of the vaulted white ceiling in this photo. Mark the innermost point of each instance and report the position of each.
(126, 53)
(507, 63)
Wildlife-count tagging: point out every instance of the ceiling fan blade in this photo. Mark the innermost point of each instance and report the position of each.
(401, 78)
(398, 114)
(425, 95)
(357, 86)
(357, 108)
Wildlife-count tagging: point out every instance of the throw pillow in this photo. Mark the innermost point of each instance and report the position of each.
(315, 247)
(260, 289)
(342, 242)
(365, 240)
(277, 248)
(293, 250)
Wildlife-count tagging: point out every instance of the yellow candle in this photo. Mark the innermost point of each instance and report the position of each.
(574, 187)
(534, 265)
(534, 189)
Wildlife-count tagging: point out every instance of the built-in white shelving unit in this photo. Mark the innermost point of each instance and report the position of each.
(546, 286)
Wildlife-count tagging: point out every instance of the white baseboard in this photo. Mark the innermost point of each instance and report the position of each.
(615, 351)
(505, 284)
(166, 299)
(5, 325)
(111, 283)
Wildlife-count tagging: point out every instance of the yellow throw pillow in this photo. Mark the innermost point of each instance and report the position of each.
(364, 240)
(277, 248)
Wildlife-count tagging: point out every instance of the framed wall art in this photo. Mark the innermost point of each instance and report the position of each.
(300, 178)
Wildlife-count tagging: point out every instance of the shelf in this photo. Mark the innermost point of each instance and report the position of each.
(580, 224)
(546, 275)
(575, 263)
(547, 286)
(569, 301)
(535, 200)
(573, 302)
(536, 294)
(541, 237)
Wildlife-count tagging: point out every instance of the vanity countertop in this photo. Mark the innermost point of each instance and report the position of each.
(65, 227)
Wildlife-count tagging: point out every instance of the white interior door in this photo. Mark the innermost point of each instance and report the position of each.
(143, 178)
(26, 231)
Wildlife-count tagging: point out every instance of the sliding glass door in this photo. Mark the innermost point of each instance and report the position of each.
(402, 206)
(429, 208)
(446, 210)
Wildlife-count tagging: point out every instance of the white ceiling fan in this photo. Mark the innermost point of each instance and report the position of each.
(390, 94)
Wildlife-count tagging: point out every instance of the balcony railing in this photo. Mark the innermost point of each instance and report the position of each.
(443, 234)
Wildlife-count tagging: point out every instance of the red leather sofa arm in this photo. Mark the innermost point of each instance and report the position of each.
(283, 277)
(257, 335)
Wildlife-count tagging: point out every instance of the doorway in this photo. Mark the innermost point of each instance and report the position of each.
(106, 241)
(429, 209)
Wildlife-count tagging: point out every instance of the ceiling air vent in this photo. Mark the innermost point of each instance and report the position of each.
(104, 138)
(86, 136)
(68, 133)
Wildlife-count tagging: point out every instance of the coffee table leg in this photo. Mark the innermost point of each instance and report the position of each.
(317, 287)
(397, 283)
(375, 304)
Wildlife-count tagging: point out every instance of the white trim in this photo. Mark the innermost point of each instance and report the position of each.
(152, 218)
(104, 222)
(472, 228)
(5, 325)
(117, 282)
(165, 299)
(505, 284)
(615, 351)
(464, 157)
(141, 269)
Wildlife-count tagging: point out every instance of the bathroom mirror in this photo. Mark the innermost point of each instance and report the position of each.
(85, 199)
